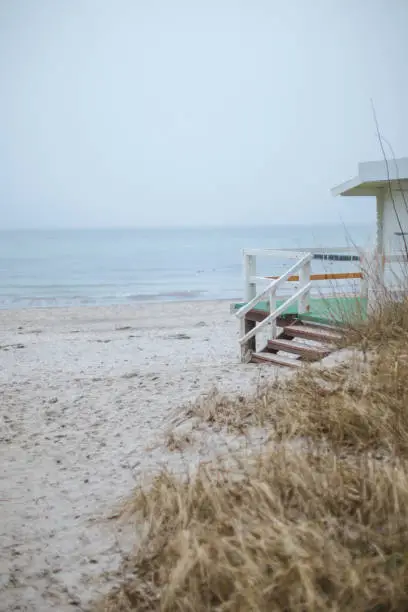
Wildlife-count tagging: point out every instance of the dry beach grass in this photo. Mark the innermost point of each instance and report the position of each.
(283, 531)
(315, 521)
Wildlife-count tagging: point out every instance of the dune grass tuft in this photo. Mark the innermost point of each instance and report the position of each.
(286, 530)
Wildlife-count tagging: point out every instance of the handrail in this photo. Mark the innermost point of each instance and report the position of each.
(297, 251)
(276, 313)
(271, 288)
(287, 253)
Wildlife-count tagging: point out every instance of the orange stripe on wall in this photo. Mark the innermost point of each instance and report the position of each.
(320, 277)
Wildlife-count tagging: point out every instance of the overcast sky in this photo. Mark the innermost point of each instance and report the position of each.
(187, 112)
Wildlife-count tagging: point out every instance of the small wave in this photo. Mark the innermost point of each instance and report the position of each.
(44, 301)
(163, 295)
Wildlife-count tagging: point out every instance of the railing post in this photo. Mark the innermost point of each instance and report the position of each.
(249, 272)
(381, 285)
(250, 293)
(376, 279)
(364, 270)
(304, 279)
(272, 308)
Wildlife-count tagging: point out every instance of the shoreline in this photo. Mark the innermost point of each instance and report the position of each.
(127, 304)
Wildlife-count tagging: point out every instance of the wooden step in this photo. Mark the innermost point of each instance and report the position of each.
(335, 329)
(310, 353)
(312, 332)
(275, 360)
(256, 315)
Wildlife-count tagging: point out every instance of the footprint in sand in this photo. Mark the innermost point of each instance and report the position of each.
(178, 337)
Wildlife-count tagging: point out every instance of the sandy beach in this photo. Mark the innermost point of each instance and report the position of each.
(87, 397)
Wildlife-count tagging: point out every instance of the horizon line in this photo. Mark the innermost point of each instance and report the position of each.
(182, 227)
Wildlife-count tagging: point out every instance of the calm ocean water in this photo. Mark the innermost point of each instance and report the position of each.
(93, 267)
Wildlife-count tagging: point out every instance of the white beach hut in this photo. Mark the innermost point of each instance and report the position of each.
(387, 181)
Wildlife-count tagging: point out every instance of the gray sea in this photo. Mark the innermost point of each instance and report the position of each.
(42, 268)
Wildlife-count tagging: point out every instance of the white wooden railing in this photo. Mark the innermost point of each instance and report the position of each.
(302, 266)
(302, 295)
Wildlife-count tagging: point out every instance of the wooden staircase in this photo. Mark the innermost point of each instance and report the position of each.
(298, 341)
(295, 333)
